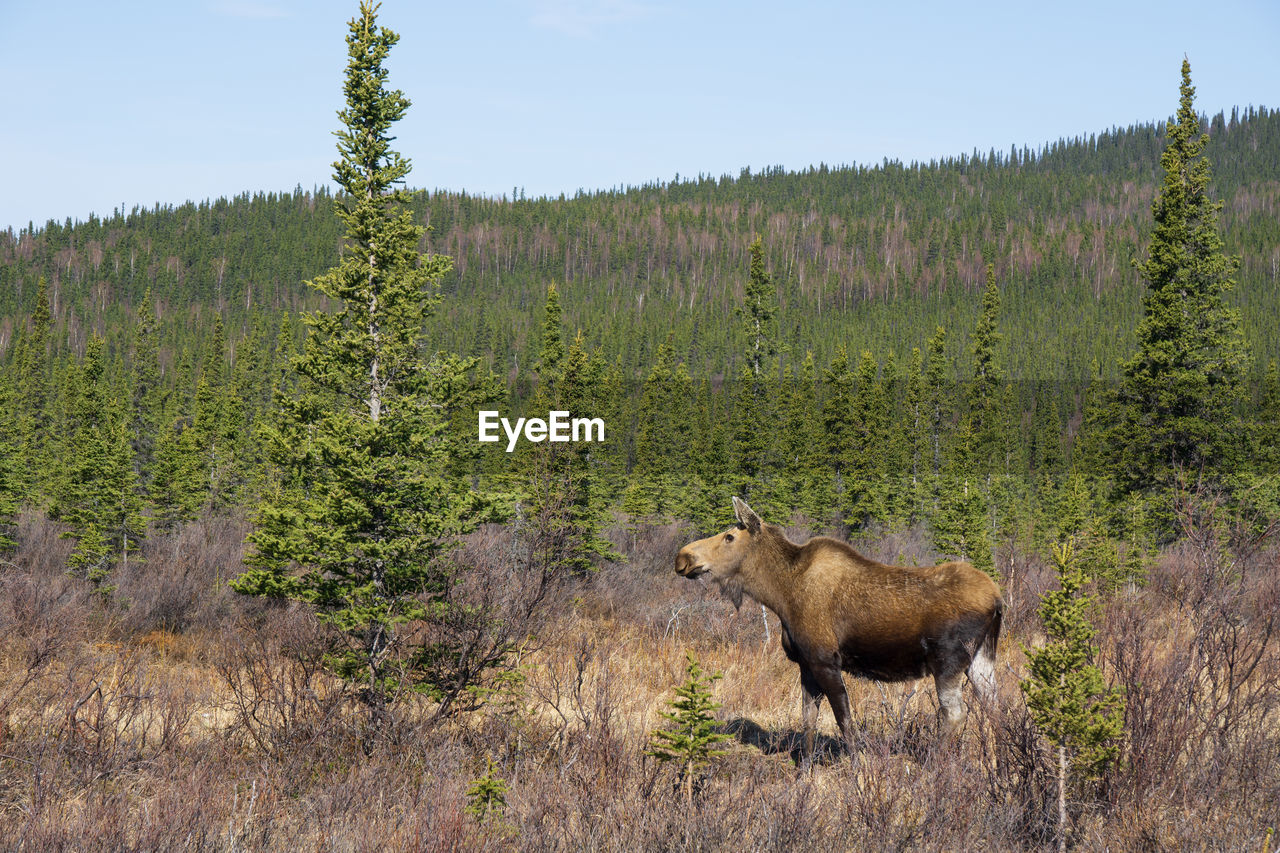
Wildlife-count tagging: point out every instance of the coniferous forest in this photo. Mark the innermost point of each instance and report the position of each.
(268, 578)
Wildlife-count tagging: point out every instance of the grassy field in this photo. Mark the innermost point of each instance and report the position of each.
(171, 714)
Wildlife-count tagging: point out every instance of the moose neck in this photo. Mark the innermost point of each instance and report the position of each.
(767, 575)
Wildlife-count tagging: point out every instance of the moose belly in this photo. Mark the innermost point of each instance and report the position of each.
(883, 661)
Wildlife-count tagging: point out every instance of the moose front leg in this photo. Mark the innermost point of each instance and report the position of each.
(831, 682)
(809, 705)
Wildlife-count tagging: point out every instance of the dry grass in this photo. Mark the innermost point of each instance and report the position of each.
(177, 716)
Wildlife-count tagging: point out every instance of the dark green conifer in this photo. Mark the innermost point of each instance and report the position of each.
(562, 481)
(807, 481)
(99, 495)
(939, 400)
(1177, 406)
(218, 427)
(487, 795)
(985, 389)
(915, 433)
(179, 483)
(838, 424)
(146, 390)
(655, 486)
(11, 480)
(689, 739)
(754, 404)
(1068, 699)
(709, 462)
(368, 503)
(1044, 456)
(37, 426)
(962, 521)
(550, 365)
(753, 427)
(282, 356)
(759, 310)
(868, 492)
(1267, 426)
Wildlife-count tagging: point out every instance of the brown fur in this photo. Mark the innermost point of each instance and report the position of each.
(841, 611)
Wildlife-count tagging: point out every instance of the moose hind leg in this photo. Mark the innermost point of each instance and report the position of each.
(951, 710)
(948, 659)
(831, 683)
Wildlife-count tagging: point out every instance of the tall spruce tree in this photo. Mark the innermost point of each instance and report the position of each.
(1044, 451)
(837, 420)
(368, 504)
(984, 391)
(562, 480)
(759, 311)
(807, 476)
(1266, 452)
(662, 437)
(961, 522)
(218, 425)
(551, 357)
(99, 496)
(179, 480)
(896, 465)
(709, 464)
(33, 388)
(939, 403)
(868, 493)
(755, 406)
(1176, 406)
(915, 435)
(146, 393)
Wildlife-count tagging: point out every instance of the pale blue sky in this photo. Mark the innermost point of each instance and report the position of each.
(137, 102)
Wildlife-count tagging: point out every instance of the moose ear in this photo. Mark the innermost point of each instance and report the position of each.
(746, 516)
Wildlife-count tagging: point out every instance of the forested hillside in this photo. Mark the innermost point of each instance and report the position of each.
(871, 257)
(871, 279)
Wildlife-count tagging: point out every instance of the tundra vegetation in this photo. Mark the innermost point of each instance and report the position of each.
(453, 647)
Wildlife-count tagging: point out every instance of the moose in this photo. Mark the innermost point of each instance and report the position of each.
(843, 612)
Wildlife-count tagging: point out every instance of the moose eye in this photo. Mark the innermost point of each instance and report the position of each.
(728, 537)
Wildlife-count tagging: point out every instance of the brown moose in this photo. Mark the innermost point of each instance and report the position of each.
(842, 611)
